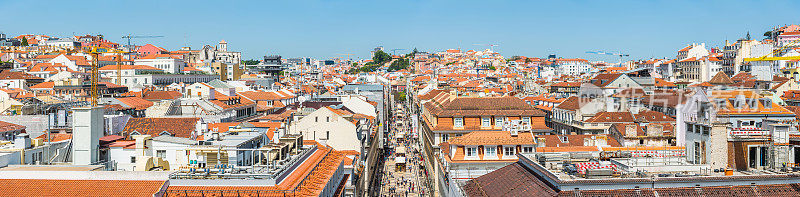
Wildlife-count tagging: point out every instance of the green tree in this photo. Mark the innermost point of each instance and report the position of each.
(250, 62)
(381, 57)
(399, 65)
(24, 42)
(400, 96)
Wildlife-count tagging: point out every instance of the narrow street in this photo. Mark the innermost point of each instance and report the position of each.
(401, 170)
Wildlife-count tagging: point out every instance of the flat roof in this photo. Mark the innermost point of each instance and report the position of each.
(53, 168)
(561, 181)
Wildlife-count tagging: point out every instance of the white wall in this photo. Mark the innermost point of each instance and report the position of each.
(175, 153)
(122, 157)
(343, 134)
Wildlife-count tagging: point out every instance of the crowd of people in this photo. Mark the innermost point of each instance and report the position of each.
(405, 180)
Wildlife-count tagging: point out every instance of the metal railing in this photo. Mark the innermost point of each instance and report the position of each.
(224, 192)
(270, 193)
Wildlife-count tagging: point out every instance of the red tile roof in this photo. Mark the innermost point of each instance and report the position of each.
(45, 187)
(7, 74)
(721, 79)
(129, 67)
(493, 138)
(573, 103)
(179, 127)
(612, 117)
(511, 180)
(136, 102)
(7, 126)
(56, 137)
(602, 80)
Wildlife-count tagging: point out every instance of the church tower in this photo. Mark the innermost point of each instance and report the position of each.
(222, 46)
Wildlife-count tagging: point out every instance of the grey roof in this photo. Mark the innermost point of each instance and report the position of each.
(364, 87)
(216, 83)
(176, 140)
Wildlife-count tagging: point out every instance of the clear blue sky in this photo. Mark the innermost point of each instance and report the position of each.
(325, 28)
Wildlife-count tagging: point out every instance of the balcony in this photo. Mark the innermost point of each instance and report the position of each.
(747, 132)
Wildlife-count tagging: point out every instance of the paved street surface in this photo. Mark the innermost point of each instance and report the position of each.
(399, 181)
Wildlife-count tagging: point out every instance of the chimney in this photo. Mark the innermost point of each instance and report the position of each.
(211, 93)
(22, 141)
(717, 152)
(143, 142)
(655, 129)
(540, 142)
(630, 130)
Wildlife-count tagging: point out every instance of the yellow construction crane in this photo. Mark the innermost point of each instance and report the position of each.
(347, 54)
(95, 76)
(767, 58)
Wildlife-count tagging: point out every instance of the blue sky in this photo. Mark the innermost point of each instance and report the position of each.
(325, 28)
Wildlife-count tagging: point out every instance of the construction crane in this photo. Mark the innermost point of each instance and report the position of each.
(347, 54)
(95, 76)
(491, 46)
(779, 50)
(607, 53)
(395, 50)
(129, 37)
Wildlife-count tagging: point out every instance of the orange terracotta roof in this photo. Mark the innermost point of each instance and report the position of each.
(129, 67)
(493, 138)
(663, 83)
(56, 137)
(721, 79)
(222, 127)
(179, 127)
(47, 187)
(136, 102)
(567, 149)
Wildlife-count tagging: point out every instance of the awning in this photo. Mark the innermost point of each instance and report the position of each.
(399, 160)
(401, 150)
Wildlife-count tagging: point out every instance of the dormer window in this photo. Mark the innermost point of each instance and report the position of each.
(471, 151)
(490, 151)
(509, 151)
(458, 122)
(498, 121)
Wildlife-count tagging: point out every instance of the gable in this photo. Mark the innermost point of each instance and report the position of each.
(623, 81)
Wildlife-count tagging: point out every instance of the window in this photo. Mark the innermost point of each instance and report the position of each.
(316, 119)
(445, 137)
(498, 121)
(508, 151)
(471, 152)
(161, 153)
(328, 119)
(458, 122)
(527, 149)
(697, 152)
(486, 122)
(133, 159)
(490, 151)
(526, 120)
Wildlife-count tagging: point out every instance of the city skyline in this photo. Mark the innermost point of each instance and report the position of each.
(325, 29)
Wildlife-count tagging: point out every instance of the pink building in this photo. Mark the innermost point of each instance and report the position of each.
(150, 49)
